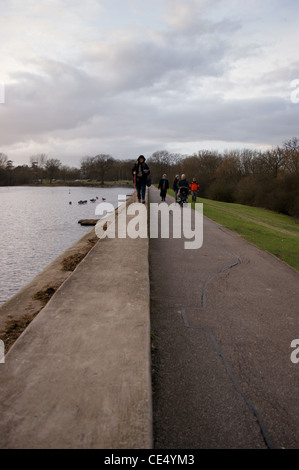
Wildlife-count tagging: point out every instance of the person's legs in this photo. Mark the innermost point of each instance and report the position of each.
(138, 188)
(143, 189)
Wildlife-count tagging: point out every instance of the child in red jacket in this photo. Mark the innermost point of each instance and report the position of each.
(194, 188)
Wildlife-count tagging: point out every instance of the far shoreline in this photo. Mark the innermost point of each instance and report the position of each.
(79, 184)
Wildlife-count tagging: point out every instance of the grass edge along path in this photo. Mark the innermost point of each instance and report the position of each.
(273, 232)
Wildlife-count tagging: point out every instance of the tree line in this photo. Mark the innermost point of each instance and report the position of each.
(99, 169)
(268, 179)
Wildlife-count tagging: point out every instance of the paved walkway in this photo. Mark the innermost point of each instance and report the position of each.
(79, 376)
(224, 317)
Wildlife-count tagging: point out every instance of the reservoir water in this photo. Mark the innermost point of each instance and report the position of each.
(38, 224)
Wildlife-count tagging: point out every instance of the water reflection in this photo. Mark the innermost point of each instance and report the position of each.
(39, 223)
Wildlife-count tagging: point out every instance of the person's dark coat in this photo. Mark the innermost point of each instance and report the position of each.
(142, 170)
(163, 186)
(183, 183)
(175, 184)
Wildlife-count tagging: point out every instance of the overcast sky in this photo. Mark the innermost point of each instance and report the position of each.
(129, 77)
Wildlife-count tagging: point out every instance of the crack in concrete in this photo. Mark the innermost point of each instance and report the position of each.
(263, 429)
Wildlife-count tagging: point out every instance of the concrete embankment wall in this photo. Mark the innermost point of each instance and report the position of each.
(79, 375)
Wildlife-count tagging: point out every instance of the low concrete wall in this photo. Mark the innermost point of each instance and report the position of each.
(26, 303)
(79, 376)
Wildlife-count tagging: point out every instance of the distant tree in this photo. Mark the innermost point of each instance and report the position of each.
(123, 170)
(67, 173)
(52, 168)
(102, 163)
(3, 160)
(39, 160)
(291, 144)
(97, 167)
(248, 158)
(87, 167)
(230, 168)
(272, 161)
(38, 163)
(22, 174)
(161, 162)
(291, 155)
(161, 157)
(4, 176)
(205, 165)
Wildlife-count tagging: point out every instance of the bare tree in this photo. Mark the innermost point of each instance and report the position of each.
(87, 167)
(102, 163)
(38, 163)
(39, 160)
(52, 168)
(291, 155)
(3, 160)
(272, 161)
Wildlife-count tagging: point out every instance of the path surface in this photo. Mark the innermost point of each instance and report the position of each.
(224, 316)
(79, 375)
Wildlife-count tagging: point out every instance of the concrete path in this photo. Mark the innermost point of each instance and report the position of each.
(79, 376)
(224, 316)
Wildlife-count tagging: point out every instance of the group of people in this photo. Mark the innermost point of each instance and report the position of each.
(178, 183)
(141, 174)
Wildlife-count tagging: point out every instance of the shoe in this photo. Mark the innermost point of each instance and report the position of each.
(139, 200)
(143, 202)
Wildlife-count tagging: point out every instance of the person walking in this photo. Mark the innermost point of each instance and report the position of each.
(194, 188)
(163, 186)
(184, 189)
(175, 187)
(183, 183)
(140, 172)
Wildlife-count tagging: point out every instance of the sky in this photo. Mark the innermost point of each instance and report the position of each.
(131, 77)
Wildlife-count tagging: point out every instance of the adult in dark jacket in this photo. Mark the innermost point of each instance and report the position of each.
(163, 186)
(183, 182)
(175, 187)
(140, 172)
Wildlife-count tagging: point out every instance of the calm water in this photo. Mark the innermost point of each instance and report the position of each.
(37, 224)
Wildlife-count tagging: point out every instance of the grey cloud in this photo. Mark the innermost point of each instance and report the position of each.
(263, 121)
(60, 97)
(67, 104)
(122, 94)
(140, 62)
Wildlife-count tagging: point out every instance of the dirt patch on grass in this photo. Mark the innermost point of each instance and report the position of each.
(45, 295)
(14, 328)
(70, 262)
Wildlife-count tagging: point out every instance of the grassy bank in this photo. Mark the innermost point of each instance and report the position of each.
(276, 233)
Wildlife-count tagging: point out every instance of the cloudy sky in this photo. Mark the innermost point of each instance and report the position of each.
(125, 77)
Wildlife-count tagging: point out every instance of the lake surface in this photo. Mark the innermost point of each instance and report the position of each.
(38, 223)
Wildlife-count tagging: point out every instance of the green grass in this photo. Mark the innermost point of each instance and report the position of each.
(270, 231)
